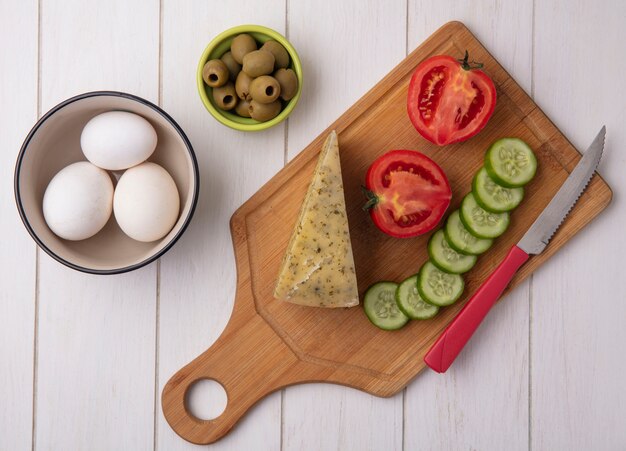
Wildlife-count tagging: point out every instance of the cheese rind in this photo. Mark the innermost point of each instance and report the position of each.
(318, 267)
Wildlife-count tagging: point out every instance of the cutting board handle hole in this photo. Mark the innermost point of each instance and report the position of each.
(206, 399)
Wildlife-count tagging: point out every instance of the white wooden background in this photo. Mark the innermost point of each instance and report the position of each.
(83, 358)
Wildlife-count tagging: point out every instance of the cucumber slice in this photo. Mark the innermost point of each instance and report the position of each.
(493, 197)
(380, 306)
(411, 303)
(511, 162)
(480, 222)
(438, 287)
(446, 258)
(461, 240)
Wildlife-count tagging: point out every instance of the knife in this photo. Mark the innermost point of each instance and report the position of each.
(459, 331)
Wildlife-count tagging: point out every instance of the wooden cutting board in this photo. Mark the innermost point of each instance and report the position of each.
(269, 344)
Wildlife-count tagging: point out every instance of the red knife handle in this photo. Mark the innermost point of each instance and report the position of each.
(459, 331)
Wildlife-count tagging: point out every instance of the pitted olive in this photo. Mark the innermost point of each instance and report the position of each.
(264, 89)
(215, 73)
(242, 85)
(242, 108)
(233, 66)
(225, 96)
(281, 56)
(241, 46)
(264, 111)
(257, 63)
(288, 83)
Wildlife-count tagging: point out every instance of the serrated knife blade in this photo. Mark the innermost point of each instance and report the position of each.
(459, 331)
(541, 231)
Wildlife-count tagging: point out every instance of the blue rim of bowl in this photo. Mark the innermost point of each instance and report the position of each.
(18, 166)
(214, 111)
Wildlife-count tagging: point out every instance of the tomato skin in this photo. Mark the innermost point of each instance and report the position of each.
(409, 193)
(448, 103)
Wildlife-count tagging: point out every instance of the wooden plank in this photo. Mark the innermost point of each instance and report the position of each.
(96, 334)
(18, 91)
(198, 276)
(578, 336)
(488, 384)
(346, 47)
(324, 417)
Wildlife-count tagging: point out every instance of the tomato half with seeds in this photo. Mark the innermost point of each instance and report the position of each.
(408, 193)
(450, 100)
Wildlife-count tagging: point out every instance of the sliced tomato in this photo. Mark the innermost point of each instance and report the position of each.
(408, 193)
(450, 100)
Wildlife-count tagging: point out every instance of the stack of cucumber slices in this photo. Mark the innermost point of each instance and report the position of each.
(497, 189)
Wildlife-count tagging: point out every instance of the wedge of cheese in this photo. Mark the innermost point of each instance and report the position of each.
(318, 267)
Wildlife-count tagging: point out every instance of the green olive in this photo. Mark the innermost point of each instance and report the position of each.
(233, 66)
(225, 96)
(264, 111)
(280, 54)
(288, 83)
(243, 108)
(241, 46)
(215, 73)
(259, 62)
(242, 85)
(264, 89)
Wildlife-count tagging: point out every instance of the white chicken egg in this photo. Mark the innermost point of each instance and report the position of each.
(78, 201)
(118, 140)
(146, 202)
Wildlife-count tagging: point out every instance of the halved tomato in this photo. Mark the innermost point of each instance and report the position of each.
(450, 100)
(407, 192)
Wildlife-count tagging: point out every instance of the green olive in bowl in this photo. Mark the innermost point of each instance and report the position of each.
(288, 82)
(264, 89)
(241, 46)
(264, 111)
(242, 85)
(243, 108)
(257, 63)
(233, 66)
(215, 73)
(280, 54)
(225, 96)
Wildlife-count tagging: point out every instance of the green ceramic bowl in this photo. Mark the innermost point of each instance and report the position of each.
(220, 45)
